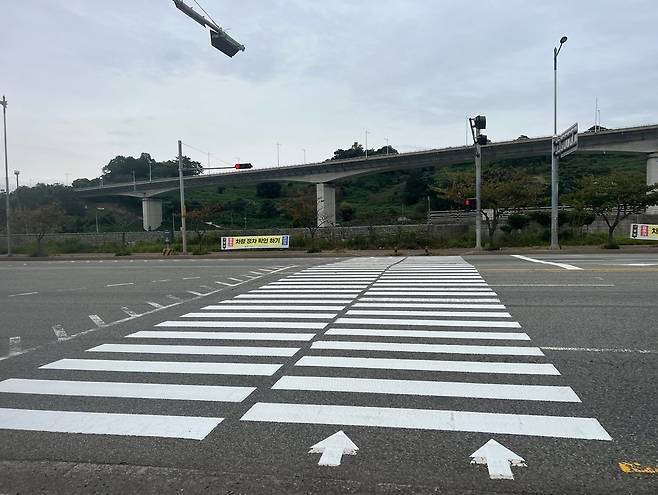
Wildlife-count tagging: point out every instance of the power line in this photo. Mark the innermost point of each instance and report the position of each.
(207, 153)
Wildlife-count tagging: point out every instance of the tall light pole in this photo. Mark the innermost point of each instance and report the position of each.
(386, 145)
(17, 173)
(367, 132)
(477, 124)
(3, 102)
(278, 145)
(555, 163)
(183, 230)
(304, 150)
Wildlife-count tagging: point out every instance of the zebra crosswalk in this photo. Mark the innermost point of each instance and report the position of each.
(435, 319)
(327, 345)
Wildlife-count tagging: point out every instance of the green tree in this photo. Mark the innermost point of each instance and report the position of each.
(346, 212)
(40, 221)
(268, 209)
(502, 191)
(613, 197)
(268, 190)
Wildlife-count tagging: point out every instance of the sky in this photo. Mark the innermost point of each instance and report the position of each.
(87, 80)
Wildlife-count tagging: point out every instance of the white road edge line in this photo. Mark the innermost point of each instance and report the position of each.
(534, 260)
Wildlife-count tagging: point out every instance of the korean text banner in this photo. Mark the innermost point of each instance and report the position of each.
(644, 231)
(256, 242)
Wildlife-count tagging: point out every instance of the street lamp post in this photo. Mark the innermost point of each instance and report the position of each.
(3, 102)
(17, 173)
(183, 230)
(97, 208)
(304, 150)
(367, 132)
(478, 123)
(555, 163)
(278, 145)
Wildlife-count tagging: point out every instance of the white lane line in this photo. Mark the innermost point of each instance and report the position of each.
(252, 369)
(190, 278)
(206, 287)
(261, 315)
(209, 350)
(161, 280)
(155, 304)
(485, 350)
(219, 393)
(120, 285)
(429, 305)
(259, 274)
(432, 334)
(129, 312)
(429, 419)
(311, 295)
(276, 305)
(138, 425)
(261, 336)
(428, 313)
(173, 298)
(548, 393)
(429, 323)
(428, 365)
(60, 333)
(195, 293)
(594, 349)
(244, 324)
(430, 300)
(98, 321)
(22, 294)
(235, 279)
(223, 283)
(566, 266)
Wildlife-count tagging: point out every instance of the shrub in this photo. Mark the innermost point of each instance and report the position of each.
(518, 221)
(543, 218)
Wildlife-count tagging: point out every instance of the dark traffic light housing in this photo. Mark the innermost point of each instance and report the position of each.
(470, 204)
(242, 166)
(224, 43)
(482, 139)
(480, 122)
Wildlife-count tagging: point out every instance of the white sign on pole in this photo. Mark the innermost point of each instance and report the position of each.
(567, 142)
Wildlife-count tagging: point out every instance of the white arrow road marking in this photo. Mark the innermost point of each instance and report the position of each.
(129, 312)
(499, 460)
(98, 321)
(333, 448)
(154, 304)
(15, 346)
(59, 332)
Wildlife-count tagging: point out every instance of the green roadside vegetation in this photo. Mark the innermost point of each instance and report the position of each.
(389, 198)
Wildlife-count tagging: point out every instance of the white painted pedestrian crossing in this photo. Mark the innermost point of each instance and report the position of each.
(493, 350)
(429, 305)
(427, 300)
(549, 393)
(304, 325)
(429, 323)
(452, 314)
(303, 316)
(165, 391)
(429, 419)
(273, 306)
(264, 336)
(431, 334)
(139, 425)
(207, 350)
(314, 295)
(428, 365)
(178, 367)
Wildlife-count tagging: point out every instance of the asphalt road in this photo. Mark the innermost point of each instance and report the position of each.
(419, 361)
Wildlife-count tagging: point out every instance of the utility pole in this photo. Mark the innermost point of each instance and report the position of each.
(278, 145)
(3, 102)
(304, 150)
(16, 173)
(386, 145)
(134, 182)
(555, 161)
(182, 197)
(367, 143)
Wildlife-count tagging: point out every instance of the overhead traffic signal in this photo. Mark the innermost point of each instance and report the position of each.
(242, 166)
(470, 204)
(224, 43)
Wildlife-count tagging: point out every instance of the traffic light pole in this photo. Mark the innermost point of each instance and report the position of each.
(478, 184)
(182, 197)
(3, 102)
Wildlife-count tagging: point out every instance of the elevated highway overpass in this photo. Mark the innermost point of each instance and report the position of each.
(641, 140)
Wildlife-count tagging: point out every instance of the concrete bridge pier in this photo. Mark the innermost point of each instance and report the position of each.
(652, 177)
(151, 213)
(326, 195)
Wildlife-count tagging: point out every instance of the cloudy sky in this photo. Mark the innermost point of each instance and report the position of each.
(87, 80)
